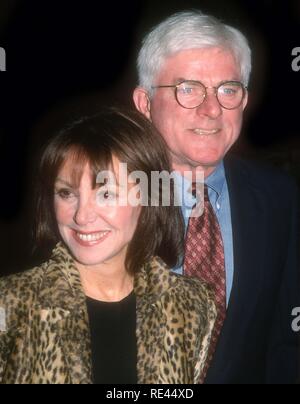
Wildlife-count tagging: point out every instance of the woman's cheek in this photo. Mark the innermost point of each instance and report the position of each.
(64, 212)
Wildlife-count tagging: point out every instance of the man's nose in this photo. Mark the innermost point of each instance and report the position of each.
(85, 212)
(210, 106)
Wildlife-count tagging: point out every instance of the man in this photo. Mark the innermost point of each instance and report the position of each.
(193, 77)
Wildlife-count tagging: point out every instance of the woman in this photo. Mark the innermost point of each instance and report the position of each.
(104, 308)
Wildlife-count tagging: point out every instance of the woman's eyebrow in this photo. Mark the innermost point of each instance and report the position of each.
(64, 182)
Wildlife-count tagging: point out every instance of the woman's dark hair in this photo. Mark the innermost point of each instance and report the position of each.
(95, 140)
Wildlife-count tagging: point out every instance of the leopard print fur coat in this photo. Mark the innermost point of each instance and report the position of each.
(44, 326)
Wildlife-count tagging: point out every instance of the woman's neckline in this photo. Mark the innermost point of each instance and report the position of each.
(96, 301)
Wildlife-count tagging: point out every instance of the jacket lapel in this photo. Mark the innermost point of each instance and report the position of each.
(63, 310)
(248, 210)
(158, 343)
(248, 213)
(149, 286)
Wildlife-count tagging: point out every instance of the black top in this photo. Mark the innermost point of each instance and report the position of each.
(113, 338)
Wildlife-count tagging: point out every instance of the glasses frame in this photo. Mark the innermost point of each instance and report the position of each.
(175, 86)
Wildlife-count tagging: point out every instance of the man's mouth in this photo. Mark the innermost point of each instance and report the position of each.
(206, 132)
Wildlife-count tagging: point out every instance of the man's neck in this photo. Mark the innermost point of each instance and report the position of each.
(183, 169)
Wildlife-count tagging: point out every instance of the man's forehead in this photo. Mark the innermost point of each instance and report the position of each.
(188, 64)
(198, 55)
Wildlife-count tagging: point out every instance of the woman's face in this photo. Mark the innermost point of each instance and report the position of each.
(94, 233)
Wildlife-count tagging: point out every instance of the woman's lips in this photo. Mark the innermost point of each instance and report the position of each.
(90, 239)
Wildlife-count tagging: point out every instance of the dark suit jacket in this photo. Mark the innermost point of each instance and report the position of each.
(257, 344)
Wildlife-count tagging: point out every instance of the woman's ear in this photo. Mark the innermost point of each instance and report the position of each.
(142, 102)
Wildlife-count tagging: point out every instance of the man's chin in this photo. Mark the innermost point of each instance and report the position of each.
(207, 163)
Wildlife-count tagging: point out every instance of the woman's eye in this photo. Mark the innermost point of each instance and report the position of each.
(65, 194)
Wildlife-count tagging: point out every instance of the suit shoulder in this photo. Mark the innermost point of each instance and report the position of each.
(261, 174)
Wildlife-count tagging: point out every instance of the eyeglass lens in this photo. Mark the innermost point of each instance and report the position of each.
(191, 94)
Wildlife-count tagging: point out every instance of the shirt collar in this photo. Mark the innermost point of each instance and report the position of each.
(215, 181)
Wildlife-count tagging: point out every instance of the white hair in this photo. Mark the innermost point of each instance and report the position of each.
(189, 30)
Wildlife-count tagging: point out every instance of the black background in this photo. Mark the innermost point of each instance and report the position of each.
(67, 58)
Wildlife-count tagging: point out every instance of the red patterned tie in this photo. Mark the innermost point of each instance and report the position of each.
(204, 259)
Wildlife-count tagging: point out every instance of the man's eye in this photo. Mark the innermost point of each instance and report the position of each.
(186, 90)
(228, 90)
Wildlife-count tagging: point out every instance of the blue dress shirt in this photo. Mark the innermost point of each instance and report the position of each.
(219, 198)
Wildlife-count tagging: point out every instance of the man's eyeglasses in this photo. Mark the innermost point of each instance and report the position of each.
(191, 94)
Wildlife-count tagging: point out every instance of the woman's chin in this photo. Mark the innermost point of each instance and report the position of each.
(89, 261)
(88, 258)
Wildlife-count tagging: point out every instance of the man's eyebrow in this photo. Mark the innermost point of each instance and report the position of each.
(230, 80)
(180, 80)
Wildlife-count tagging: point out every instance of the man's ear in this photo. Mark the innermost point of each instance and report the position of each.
(245, 100)
(142, 102)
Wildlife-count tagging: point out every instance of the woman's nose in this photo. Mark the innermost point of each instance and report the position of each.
(85, 213)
